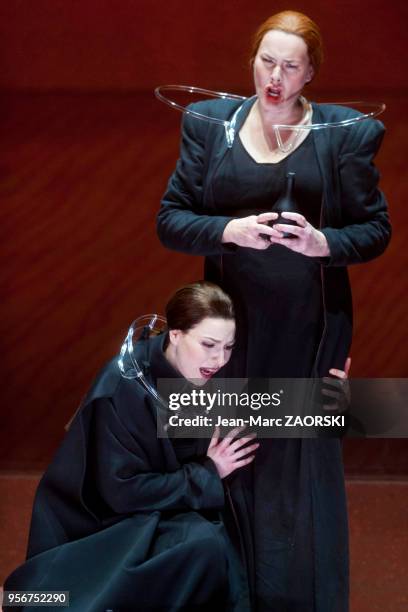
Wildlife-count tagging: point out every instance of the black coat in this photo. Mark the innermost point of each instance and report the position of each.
(119, 522)
(311, 530)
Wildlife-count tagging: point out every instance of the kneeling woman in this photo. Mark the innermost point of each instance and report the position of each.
(125, 520)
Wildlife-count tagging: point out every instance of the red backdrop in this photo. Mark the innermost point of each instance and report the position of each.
(137, 44)
(86, 155)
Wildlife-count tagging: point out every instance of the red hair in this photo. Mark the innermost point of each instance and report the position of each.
(293, 22)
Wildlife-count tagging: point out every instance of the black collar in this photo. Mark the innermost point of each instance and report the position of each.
(155, 361)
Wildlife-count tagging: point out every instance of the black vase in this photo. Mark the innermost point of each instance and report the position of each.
(286, 203)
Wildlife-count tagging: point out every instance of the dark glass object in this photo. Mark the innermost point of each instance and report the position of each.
(286, 203)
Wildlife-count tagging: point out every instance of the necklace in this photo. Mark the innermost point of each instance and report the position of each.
(292, 140)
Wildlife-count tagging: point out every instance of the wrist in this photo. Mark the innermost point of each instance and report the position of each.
(324, 249)
(228, 232)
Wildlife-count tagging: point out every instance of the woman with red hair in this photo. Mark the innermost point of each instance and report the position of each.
(290, 288)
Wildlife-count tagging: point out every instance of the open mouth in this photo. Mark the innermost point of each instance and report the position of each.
(208, 372)
(274, 93)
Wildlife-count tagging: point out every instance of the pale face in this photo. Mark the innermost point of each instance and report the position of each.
(201, 351)
(281, 69)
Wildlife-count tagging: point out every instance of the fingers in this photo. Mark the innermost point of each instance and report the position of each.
(241, 441)
(231, 454)
(265, 217)
(294, 244)
(254, 231)
(243, 462)
(337, 390)
(334, 393)
(347, 365)
(232, 445)
(338, 373)
(261, 242)
(337, 382)
(215, 437)
(226, 442)
(300, 219)
(275, 233)
(265, 229)
(234, 432)
(245, 451)
(282, 228)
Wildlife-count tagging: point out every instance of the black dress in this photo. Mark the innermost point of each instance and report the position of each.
(278, 296)
(277, 292)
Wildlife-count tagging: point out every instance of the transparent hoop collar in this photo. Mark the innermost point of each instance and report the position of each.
(132, 367)
(373, 109)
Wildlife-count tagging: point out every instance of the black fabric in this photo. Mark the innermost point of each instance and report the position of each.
(278, 296)
(241, 186)
(277, 293)
(290, 504)
(120, 521)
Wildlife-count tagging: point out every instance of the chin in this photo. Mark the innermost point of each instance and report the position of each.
(199, 382)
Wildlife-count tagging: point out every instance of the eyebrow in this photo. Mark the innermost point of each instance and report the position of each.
(218, 341)
(292, 61)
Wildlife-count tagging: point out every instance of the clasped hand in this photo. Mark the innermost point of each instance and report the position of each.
(254, 232)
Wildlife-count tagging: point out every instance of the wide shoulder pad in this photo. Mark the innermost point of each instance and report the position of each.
(365, 134)
(219, 108)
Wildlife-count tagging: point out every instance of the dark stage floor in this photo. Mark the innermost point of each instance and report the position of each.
(378, 537)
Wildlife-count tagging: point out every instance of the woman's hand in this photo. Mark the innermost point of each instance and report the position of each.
(342, 374)
(337, 388)
(252, 232)
(308, 240)
(229, 454)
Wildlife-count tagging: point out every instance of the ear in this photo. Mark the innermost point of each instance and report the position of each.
(174, 336)
(310, 74)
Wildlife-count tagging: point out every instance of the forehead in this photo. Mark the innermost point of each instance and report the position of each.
(216, 328)
(283, 45)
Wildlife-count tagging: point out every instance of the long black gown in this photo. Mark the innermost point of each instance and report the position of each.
(278, 297)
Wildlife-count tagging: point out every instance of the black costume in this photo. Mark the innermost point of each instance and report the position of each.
(291, 503)
(127, 521)
(289, 313)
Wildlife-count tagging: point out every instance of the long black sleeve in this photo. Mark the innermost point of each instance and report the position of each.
(366, 227)
(181, 222)
(124, 476)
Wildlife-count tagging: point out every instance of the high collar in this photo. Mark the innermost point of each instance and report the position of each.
(156, 365)
(155, 361)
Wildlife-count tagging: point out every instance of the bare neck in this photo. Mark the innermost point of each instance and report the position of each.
(259, 128)
(289, 114)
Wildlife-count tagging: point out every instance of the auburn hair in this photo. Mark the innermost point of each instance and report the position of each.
(192, 303)
(292, 22)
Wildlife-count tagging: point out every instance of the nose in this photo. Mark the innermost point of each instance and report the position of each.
(276, 74)
(219, 359)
